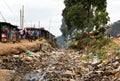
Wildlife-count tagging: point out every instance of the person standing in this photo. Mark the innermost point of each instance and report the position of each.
(21, 33)
(7, 34)
(26, 34)
(30, 35)
(13, 35)
(34, 35)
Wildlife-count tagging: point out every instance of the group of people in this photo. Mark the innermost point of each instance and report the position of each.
(25, 34)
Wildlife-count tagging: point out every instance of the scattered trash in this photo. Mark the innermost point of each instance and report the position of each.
(33, 76)
(62, 65)
(15, 56)
(29, 53)
(0, 65)
(119, 68)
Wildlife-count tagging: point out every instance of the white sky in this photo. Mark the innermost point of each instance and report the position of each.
(48, 12)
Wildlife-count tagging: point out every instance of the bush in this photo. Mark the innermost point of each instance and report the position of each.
(102, 42)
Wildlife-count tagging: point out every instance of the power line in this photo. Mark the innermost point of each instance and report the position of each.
(2, 16)
(8, 6)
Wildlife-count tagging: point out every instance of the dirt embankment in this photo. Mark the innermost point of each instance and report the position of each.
(23, 46)
(116, 40)
(11, 68)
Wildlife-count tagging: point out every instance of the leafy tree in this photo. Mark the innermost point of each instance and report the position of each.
(64, 28)
(85, 15)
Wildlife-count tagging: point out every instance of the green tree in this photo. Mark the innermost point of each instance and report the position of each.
(64, 28)
(85, 15)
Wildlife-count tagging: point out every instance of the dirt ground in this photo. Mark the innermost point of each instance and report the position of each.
(53, 64)
(16, 48)
(7, 75)
(116, 40)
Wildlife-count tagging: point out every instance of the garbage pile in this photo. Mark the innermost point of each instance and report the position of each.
(109, 71)
(61, 65)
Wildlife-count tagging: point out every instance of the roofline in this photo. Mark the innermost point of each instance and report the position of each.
(8, 24)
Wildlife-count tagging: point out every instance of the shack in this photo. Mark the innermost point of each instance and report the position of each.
(42, 33)
(6, 30)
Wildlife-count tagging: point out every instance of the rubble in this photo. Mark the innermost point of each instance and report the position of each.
(61, 65)
(8, 75)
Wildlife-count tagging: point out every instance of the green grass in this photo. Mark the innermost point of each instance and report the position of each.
(103, 49)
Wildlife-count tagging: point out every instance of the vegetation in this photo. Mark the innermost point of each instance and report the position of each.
(105, 49)
(64, 28)
(83, 17)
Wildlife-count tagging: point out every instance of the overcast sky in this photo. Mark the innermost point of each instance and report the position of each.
(48, 12)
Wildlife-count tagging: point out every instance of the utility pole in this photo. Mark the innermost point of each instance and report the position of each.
(22, 17)
(34, 26)
(39, 24)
